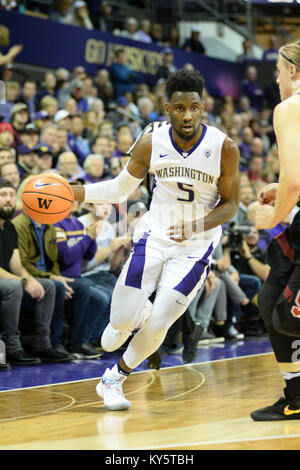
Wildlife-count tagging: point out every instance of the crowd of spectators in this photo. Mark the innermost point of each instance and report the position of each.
(82, 127)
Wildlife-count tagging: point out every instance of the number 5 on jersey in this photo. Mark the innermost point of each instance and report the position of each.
(189, 192)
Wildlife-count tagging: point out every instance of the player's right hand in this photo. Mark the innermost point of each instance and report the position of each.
(267, 195)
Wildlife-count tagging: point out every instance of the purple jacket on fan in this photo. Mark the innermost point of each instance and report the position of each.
(73, 246)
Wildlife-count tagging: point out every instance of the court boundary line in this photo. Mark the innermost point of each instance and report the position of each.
(192, 364)
(224, 441)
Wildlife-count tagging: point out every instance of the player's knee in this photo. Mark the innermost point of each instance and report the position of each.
(265, 305)
(120, 323)
(284, 322)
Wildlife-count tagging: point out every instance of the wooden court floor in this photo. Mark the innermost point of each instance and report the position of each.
(199, 406)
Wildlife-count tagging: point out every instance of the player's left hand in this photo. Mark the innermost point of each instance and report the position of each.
(264, 217)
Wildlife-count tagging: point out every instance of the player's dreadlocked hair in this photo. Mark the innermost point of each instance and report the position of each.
(184, 80)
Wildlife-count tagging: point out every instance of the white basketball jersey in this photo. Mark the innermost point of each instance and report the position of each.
(186, 183)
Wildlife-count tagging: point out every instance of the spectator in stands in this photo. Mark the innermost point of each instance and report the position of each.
(256, 167)
(62, 140)
(27, 157)
(124, 142)
(106, 128)
(29, 97)
(44, 161)
(62, 11)
(78, 73)
(91, 123)
(77, 95)
(30, 135)
(250, 259)
(248, 53)
(6, 135)
(94, 168)
(48, 136)
(77, 245)
(98, 107)
(173, 39)
(63, 120)
(143, 34)
(48, 86)
(21, 290)
(123, 78)
(7, 57)
(76, 142)
(193, 44)
(70, 105)
(12, 94)
(39, 253)
(157, 34)
(205, 304)
(62, 77)
(130, 31)
(252, 89)
(89, 91)
(50, 105)
(245, 145)
(246, 198)
(257, 147)
(146, 111)
(9, 171)
(271, 54)
(41, 119)
(81, 15)
(19, 119)
(6, 155)
(167, 67)
(102, 19)
(101, 146)
(102, 77)
(68, 166)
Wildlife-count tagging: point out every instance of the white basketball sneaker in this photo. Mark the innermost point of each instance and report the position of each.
(110, 390)
(112, 339)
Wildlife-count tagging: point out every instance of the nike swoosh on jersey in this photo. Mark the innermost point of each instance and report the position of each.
(287, 411)
(162, 156)
(38, 184)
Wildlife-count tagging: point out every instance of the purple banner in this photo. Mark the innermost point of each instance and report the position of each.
(50, 44)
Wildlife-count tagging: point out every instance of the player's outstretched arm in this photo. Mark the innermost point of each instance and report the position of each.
(120, 188)
(287, 130)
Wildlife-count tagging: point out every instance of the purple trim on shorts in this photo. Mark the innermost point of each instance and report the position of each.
(192, 278)
(136, 267)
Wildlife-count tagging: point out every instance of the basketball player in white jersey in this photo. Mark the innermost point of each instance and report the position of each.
(279, 298)
(196, 190)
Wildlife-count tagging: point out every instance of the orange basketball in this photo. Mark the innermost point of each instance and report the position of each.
(47, 198)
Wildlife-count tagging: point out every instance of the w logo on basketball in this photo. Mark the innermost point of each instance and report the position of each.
(44, 203)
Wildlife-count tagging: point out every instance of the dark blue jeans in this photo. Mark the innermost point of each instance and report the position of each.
(251, 285)
(77, 307)
(85, 310)
(104, 282)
